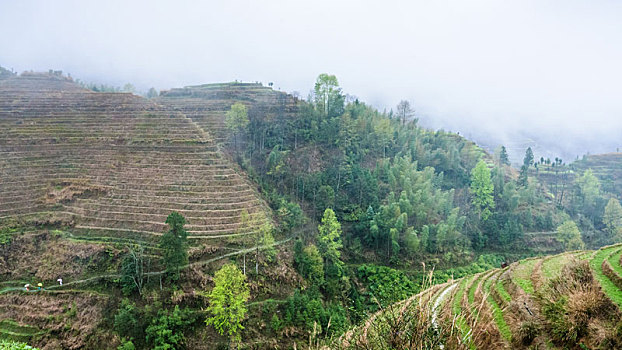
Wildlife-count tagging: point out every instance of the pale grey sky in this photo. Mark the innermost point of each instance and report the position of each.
(485, 68)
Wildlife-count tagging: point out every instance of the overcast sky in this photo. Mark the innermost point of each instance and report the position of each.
(480, 67)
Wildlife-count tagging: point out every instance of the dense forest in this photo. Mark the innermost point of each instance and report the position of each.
(389, 195)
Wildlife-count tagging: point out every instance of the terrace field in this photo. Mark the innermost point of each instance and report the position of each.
(207, 104)
(87, 176)
(83, 176)
(113, 164)
(517, 307)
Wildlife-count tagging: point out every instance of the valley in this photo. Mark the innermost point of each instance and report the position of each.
(334, 225)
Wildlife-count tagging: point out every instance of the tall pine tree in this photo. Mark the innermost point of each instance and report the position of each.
(482, 190)
(174, 245)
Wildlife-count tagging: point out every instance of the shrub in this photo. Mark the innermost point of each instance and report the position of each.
(290, 215)
(306, 311)
(527, 332)
(384, 284)
(126, 345)
(309, 263)
(562, 328)
(11, 345)
(7, 233)
(166, 330)
(275, 323)
(129, 321)
(572, 303)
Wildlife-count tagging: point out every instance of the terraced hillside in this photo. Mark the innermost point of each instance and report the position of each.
(207, 104)
(567, 300)
(559, 180)
(112, 164)
(607, 167)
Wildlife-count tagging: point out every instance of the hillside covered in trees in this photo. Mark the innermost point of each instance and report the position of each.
(236, 215)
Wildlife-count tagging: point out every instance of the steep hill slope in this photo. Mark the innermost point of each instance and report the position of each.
(112, 163)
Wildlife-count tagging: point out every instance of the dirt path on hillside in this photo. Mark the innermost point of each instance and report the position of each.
(153, 273)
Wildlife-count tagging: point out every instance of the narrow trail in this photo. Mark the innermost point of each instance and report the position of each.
(152, 273)
(10, 289)
(203, 262)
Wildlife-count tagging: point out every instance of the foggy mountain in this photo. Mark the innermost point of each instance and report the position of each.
(544, 74)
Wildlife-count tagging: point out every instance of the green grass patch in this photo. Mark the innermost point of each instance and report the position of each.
(456, 306)
(614, 260)
(10, 289)
(466, 332)
(552, 267)
(112, 241)
(7, 233)
(502, 292)
(471, 296)
(497, 313)
(13, 345)
(12, 326)
(12, 330)
(13, 283)
(609, 288)
(585, 255)
(522, 275)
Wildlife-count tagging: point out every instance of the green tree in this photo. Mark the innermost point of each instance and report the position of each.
(523, 180)
(129, 88)
(528, 160)
(589, 187)
(227, 301)
(383, 134)
(524, 169)
(588, 197)
(325, 198)
(613, 219)
(328, 98)
(133, 267)
(482, 190)
(503, 156)
(404, 111)
(174, 245)
(569, 235)
(166, 330)
(236, 120)
(129, 322)
(152, 93)
(265, 239)
(311, 265)
(329, 239)
(291, 215)
(329, 245)
(246, 224)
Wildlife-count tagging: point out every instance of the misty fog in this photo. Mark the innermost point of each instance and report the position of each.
(545, 74)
